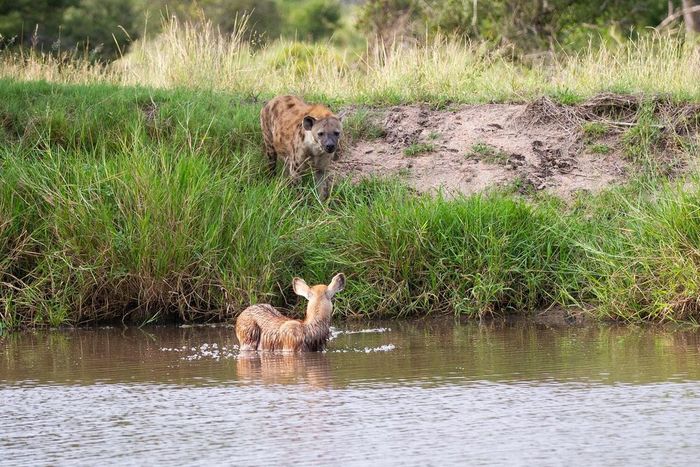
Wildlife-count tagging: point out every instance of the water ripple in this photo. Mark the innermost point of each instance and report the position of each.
(413, 394)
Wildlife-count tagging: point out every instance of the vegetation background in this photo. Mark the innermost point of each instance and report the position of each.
(104, 29)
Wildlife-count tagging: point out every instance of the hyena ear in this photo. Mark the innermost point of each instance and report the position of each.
(300, 287)
(308, 123)
(336, 285)
(342, 114)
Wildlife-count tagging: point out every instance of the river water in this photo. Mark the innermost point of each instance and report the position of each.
(384, 393)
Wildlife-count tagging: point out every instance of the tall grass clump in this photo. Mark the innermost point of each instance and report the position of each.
(147, 232)
(410, 255)
(642, 250)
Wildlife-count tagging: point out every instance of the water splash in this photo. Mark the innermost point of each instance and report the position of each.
(381, 348)
(205, 351)
(337, 332)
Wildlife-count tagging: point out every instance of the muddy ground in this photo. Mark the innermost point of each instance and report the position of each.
(541, 146)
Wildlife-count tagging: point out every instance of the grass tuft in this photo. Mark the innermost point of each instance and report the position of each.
(599, 148)
(363, 124)
(594, 130)
(489, 154)
(417, 149)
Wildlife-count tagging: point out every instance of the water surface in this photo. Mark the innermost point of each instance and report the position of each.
(391, 393)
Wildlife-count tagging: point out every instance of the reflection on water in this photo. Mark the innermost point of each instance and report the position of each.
(432, 392)
(313, 369)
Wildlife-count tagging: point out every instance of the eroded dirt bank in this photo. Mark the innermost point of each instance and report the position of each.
(527, 147)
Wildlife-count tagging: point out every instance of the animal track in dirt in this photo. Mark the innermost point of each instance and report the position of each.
(536, 146)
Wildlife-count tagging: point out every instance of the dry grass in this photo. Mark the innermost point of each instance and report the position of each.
(440, 70)
(69, 68)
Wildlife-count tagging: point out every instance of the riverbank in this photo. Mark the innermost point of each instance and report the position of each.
(139, 204)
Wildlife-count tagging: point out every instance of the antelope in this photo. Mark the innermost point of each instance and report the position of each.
(263, 327)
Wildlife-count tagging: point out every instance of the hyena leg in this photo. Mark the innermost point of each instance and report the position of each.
(272, 163)
(292, 171)
(322, 184)
(271, 158)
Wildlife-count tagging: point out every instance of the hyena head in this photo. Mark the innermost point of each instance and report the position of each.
(324, 132)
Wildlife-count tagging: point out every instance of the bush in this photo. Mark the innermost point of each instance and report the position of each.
(314, 19)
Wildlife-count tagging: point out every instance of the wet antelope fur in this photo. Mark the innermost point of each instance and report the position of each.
(300, 135)
(263, 327)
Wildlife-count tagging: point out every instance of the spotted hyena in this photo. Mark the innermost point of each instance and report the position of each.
(301, 136)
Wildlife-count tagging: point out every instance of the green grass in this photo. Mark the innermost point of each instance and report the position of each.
(417, 149)
(594, 130)
(363, 124)
(489, 154)
(134, 204)
(599, 148)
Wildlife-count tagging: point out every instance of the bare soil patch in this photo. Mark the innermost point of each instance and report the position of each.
(528, 147)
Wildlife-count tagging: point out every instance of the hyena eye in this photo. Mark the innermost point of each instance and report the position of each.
(336, 133)
(320, 133)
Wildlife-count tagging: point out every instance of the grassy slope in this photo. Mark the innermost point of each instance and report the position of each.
(107, 213)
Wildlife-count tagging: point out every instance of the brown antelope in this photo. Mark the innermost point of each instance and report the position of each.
(262, 327)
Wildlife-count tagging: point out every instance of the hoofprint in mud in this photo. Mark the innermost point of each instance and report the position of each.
(526, 153)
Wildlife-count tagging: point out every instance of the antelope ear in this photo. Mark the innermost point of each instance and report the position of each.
(308, 123)
(336, 285)
(300, 287)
